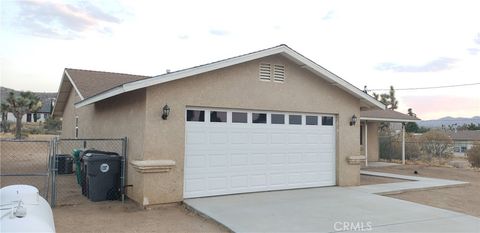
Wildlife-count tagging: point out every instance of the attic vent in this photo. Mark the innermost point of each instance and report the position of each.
(278, 73)
(265, 71)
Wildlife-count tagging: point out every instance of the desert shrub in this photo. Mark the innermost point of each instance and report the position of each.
(5, 126)
(473, 155)
(52, 124)
(391, 147)
(436, 143)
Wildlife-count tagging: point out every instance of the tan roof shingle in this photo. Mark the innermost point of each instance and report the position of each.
(90, 83)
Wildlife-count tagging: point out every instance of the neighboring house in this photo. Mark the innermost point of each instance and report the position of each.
(463, 140)
(47, 99)
(267, 120)
(369, 127)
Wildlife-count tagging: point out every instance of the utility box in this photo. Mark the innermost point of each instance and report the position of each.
(101, 171)
(64, 163)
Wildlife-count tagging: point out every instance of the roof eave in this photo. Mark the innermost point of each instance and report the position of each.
(282, 49)
(388, 119)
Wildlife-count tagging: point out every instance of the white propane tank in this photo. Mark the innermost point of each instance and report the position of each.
(22, 209)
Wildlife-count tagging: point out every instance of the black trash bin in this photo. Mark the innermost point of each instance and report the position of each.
(64, 163)
(102, 175)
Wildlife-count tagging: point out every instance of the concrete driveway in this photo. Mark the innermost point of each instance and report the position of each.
(328, 209)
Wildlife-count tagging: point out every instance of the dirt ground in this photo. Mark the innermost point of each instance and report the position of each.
(464, 199)
(113, 216)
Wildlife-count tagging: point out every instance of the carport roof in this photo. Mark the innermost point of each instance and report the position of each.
(386, 115)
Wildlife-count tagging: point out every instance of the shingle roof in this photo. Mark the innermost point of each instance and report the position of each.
(366, 100)
(465, 135)
(90, 83)
(387, 115)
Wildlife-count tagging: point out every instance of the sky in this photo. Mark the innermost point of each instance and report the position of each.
(407, 44)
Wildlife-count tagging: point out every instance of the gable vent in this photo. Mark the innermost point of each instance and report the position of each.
(265, 71)
(278, 73)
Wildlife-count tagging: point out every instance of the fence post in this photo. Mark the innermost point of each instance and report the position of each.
(53, 170)
(124, 165)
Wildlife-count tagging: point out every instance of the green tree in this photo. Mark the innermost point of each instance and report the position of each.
(393, 103)
(388, 99)
(411, 127)
(19, 105)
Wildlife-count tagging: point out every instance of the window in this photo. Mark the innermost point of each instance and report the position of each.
(216, 116)
(196, 115)
(295, 119)
(463, 149)
(278, 119)
(456, 149)
(311, 120)
(29, 117)
(326, 120)
(76, 126)
(35, 117)
(259, 118)
(278, 73)
(239, 117)
(265, 71)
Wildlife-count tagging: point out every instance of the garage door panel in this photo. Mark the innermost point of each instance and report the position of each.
(226, 158)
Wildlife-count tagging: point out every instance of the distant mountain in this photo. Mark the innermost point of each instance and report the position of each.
(45, 97)
(449, 121)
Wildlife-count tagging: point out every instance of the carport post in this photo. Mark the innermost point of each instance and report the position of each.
(403, 143)
(366, 143)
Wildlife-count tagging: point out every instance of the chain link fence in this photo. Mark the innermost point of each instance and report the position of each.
(50, 166)
(26, 162)
(69, 186)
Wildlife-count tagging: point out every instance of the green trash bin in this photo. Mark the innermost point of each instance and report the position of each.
(76, 156)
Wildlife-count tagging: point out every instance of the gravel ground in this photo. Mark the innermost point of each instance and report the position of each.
(465, 199)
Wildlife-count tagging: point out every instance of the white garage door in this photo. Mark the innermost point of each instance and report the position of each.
(236, 151)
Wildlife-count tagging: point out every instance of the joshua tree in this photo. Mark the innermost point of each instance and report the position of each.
(19, 105)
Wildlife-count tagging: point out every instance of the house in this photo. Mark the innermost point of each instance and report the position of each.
(463, 140)
(370, 121)
(47, 99)
(267, 120)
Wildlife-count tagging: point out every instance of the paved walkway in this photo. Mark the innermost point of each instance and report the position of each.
(379, 164)
(411, 183)
(333, 209)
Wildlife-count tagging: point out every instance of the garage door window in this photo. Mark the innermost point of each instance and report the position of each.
(239, 117)
(196, 115)
(216, 116)
(259, 118)
(278, 119)
(295, 119)
(327, 120)
(311, 120)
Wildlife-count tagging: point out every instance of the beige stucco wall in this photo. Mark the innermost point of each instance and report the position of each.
(122, 116)
(238, 87)
(373, 145)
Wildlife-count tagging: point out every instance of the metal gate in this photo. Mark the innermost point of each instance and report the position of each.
(35, 162)
(66, 188)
